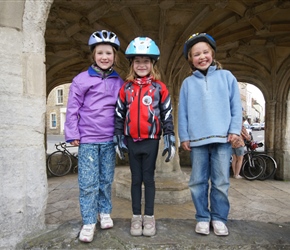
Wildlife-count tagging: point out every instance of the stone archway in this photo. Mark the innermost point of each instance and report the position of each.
(252, 38)
(240, 28)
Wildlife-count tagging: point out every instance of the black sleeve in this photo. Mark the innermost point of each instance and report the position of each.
(166, 116)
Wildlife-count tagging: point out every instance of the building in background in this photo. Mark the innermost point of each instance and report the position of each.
(56, 110)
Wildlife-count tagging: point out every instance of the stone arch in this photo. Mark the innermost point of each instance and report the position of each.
(23, 78)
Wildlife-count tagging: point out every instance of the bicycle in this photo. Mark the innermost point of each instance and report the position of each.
(270, 166)
(59, 163)
(270, 163)
(254, 165)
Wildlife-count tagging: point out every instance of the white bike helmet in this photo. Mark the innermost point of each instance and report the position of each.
(142, 46)
(104, 37)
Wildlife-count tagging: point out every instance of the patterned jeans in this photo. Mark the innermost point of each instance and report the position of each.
(96, 167)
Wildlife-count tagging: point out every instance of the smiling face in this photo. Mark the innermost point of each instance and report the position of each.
(104, 56)
(202, 55)
(142, 65)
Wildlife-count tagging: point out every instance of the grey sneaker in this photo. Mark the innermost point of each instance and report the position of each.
(149, 228)
(219, 228)
(87, 233)
(202, 227)
(136, 225)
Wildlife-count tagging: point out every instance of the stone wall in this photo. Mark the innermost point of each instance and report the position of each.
(23, 186)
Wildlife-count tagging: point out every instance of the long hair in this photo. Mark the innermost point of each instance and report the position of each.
(214, 61)
(154, 72)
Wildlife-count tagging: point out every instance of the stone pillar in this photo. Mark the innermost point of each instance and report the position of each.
(285, 156)
(270, 127)
(23, 186)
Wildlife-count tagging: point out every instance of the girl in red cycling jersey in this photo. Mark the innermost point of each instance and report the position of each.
(143, 111)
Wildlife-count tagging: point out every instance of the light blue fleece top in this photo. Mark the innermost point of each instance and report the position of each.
(209, 107)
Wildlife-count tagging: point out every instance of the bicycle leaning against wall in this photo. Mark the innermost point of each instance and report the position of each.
(257, 165)
(59, 163)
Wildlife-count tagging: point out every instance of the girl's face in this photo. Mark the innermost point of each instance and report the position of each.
(142, 65)
(202, 55)
(104, 56)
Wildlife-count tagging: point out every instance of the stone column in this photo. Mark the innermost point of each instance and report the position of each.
(270, 126)
(23, 186)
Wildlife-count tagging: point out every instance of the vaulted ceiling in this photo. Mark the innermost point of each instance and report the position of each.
(253, 37)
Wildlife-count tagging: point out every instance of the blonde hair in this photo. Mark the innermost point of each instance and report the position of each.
(214, 62)
(116, 57)
(154, 71)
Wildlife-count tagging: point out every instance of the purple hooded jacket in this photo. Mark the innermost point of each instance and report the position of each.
(91, 107)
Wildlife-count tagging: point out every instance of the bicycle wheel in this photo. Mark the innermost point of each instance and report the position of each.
(271, 167)
(254, 167)
(59, 163)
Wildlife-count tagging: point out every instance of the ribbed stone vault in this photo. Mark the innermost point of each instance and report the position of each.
(253, 37)
(253, 41)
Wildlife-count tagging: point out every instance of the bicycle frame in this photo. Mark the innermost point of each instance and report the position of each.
(64, 147)
(59, 163)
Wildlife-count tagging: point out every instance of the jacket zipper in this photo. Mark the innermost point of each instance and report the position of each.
(139, 111)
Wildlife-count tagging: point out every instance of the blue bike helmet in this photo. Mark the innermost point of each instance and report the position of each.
(142, 46)
(104, 37)
(195, 38)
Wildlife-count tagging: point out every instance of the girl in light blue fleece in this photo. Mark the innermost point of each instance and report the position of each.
(209, 120)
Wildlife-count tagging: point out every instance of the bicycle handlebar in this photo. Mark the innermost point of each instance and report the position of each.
(252, 145)
(63, 145)
(60, 144)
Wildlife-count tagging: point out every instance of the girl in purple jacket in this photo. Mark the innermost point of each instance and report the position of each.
(90, 125)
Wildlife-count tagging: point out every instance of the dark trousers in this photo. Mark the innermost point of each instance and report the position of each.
(142, 158)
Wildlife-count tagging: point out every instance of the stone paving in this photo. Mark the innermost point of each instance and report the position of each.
(259, 219)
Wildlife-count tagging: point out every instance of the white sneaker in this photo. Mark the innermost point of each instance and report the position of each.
(136, 225)
(202, 227)
(106, 221)
(87, 233)
(149, 227)
(238, 177)
(219, 228)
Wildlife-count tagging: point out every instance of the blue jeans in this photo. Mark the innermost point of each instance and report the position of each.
(96, 168)
(210, 162)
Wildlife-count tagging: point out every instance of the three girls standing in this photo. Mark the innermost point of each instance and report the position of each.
(209, 121)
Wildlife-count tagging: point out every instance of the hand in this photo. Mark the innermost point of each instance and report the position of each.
(121, 148)
(75, 143)
(169, 146)
(186, 145)
(232, 138)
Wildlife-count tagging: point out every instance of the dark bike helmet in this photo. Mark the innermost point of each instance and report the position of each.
(142, 46)
(195, 38)
(104, 37)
